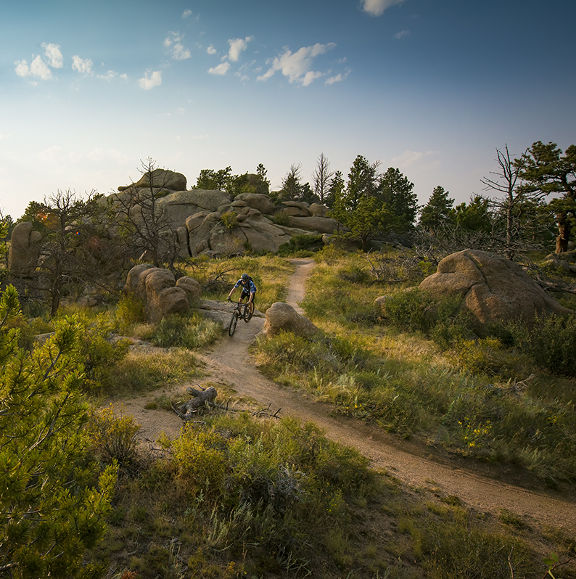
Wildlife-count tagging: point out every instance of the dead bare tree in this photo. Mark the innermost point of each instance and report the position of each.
(321, 177)
(514, 202)
(63, 267)
(143, 220)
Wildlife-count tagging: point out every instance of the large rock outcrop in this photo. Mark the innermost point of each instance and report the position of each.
(24, 250)
(160, 292)
(492, 288)
(161, 179)
(282, 316)
(212, 222)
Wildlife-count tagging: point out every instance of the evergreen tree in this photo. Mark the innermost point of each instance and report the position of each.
(263, 181)
(369, 219)
(292, 187)
(214, 180)
(438, 212)
(335, 189)
(362, 182)
(545, 170)
(397, 192)
(54, 495)
(475, 215)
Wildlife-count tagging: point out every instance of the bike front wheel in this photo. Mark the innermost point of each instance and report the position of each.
(248, 311)
(232, 325)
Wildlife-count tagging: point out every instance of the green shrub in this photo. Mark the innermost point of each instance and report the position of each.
(187, 332)
(114, 437)
(301, 244)
(355, 274)
(550, 341)
(129, 311)
(281, 218)
(229, 219)
(98, 349)
(411, 310)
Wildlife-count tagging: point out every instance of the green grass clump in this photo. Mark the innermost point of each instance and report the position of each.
(144, 371)
(550, 341)
(190, 332)
(129, 312)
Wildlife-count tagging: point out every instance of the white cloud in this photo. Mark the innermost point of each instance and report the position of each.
(180, 52)
(82, 65)
(296, 66)
(211, 50)
(310, 77)
(53, 54)
(187, 13)
(402, 34)
(409, 158)
(39, 69)
(21, 68)
(336, 78)
(177, 50)
(378, 7)
(151, 79)
(221, 69)
(237, 47)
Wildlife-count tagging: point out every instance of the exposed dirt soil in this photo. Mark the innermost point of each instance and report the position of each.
(228, 363)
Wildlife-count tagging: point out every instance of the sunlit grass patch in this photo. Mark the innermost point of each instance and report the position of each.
(142, 372)
(190, 332)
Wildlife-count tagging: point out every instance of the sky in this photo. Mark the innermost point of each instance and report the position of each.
(91, 89)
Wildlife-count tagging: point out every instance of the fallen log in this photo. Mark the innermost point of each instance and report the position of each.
(199, 400)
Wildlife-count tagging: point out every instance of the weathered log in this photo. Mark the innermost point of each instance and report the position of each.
(200, 398)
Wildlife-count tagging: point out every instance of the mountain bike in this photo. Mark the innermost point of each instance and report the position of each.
(241, 310)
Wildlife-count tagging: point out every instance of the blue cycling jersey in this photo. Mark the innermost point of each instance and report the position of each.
(250, 287)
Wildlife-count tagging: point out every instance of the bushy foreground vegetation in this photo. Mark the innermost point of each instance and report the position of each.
(236, 496)
(421, 370)
(54, 495)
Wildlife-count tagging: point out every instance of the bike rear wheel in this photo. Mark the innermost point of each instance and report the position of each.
(232, 325)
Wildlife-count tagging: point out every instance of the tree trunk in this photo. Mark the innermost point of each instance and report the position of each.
(563, 233)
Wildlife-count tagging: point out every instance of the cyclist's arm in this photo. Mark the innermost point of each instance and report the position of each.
(232, 290)
(252, 291)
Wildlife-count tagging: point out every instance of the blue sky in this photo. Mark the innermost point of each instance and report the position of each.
(90, 89)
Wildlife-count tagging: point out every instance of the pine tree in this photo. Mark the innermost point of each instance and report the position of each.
(397, 192)
(54, 495)
(438, 212)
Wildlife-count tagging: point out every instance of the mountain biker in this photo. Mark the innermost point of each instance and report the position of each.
(248, 288)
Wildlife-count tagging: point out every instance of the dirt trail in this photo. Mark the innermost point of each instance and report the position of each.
(228, 362)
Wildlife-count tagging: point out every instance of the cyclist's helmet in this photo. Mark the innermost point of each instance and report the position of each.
(245, 277)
